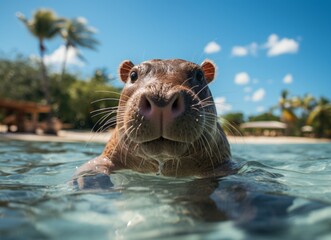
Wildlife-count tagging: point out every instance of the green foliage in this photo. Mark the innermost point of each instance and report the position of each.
(44, 24)
(231, 123)
(20, 80)
(76, 33)
(72, 98)
(102, 76)
(263, 117)
(287, 106)
(315, 113)
(235, 118)
(320, 118)
(83, 98)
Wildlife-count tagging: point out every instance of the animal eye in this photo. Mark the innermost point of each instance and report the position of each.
(133, 76)
(199, 75)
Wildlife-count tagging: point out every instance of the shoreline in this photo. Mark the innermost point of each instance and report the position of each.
(276, 140)
(85, 136)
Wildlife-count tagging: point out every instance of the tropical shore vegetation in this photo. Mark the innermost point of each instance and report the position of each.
(303, 115)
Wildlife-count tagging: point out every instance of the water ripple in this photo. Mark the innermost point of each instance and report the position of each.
(280, 191)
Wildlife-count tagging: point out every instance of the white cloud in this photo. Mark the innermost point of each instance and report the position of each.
(56, 58)
(258, 95)
(241, 78)
(275, 46)
(241, 51)
(288, 79)
(278, 46)
(260, 109)
(212, 47)
(221, 105)
(272, 41)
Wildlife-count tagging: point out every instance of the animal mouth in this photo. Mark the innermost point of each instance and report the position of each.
(163, 148)
(163, 140)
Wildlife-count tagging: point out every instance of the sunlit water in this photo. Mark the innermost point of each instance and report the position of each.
(280, 192)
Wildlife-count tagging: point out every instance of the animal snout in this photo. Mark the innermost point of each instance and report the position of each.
(161, 110)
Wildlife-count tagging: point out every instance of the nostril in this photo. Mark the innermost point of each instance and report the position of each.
(177, 106)
(145, 106)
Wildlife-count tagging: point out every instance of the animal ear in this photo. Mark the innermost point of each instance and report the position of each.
(124, 70)
(209, 70)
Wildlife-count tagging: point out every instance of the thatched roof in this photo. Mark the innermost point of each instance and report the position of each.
(307, 128)
(264, 124)
(23, 106)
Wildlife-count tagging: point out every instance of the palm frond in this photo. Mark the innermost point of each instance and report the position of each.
(288, 116)
(77, 33)
(44, 24)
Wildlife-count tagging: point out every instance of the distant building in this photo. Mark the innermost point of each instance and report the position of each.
(264, 128)
(307, 131)
(21, 116)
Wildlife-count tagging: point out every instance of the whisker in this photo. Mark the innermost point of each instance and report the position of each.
(103, 109)
(105, 99)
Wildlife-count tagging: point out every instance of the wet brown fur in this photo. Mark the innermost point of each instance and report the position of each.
(202, 148)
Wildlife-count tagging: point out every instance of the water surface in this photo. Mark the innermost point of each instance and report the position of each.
(280, 192)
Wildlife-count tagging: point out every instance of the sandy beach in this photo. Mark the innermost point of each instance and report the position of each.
(85, 136)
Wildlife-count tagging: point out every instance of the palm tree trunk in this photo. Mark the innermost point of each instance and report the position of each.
(320, 126)
(64, 63)
(50, 128)
(44, 78)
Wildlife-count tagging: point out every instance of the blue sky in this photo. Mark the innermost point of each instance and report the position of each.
(260, 47)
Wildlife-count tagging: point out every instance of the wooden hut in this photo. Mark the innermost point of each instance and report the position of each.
(267, 128)
(22, 114)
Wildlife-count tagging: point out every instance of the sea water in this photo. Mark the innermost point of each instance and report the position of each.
(279, 192)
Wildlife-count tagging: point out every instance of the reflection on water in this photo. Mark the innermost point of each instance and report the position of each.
(280, 191)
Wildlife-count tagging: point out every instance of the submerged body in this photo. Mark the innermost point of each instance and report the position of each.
(166, 123)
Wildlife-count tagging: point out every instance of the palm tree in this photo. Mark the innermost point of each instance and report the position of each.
(287, 106)
(43, 25)
(308, 102)
(320, 117)
(76, 33)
